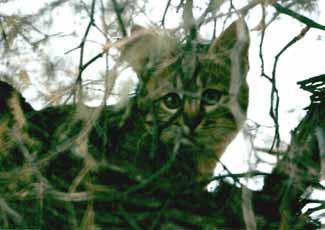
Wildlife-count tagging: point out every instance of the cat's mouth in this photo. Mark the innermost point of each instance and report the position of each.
(182, 134)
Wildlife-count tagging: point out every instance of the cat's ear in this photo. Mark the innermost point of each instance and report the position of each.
(145, 48)
(136, 49)
(236, 35)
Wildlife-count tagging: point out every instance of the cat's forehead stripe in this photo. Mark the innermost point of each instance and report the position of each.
(207, 72)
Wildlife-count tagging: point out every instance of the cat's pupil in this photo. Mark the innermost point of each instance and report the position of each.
(172, 100)
(211, 96)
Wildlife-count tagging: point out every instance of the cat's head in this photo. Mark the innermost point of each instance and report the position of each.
(196, 95)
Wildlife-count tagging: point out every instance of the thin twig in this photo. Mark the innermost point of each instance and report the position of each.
(125, 215)
(180, 5)
(238, 175)
(202, 19)
(275, 99)
(263, 74)
(153, 177)
(165, 13)
(307, 21)
(82, 48)
(118, 11)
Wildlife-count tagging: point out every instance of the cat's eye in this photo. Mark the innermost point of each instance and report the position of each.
(172, 101)
(211, 96)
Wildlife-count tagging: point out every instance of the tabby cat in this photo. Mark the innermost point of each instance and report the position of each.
(190, 103)
(197, 94)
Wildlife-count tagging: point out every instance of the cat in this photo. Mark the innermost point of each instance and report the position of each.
(193, 94)
(189, 105)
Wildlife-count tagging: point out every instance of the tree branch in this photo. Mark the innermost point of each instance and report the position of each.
(307, 21)
(118, 10)
(165, 13)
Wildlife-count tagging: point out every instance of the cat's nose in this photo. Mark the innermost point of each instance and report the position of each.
(191, 113)
(192, 121)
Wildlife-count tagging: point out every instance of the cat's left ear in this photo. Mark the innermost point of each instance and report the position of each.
(139, 47)
(145, 48)
(235, 36)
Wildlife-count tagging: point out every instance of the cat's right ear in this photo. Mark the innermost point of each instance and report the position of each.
(235, 35)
